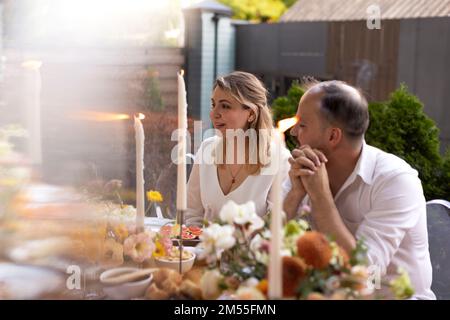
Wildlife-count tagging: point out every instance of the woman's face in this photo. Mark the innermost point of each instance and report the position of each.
(228, 113)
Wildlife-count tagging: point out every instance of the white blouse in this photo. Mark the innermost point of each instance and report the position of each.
(205, 196)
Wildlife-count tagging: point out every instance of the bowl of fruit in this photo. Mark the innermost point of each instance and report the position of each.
(171, 259)
(190, 234)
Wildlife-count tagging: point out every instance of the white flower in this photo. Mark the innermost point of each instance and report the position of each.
(266, 234)
(244, 214)
(215, 239)
(251, 282)
(228, 212)
(129, 211)
(256, 223)
(249, 293)
(126, 214)
(256, 246)
(239, 214)
(209, 283)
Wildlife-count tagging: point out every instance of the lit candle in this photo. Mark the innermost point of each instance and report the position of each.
(140, 202)
(182, 127)
(276, 224)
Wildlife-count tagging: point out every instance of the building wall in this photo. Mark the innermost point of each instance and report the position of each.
(93, 79)
(413, 51)
(227, 46)
(284, 50)
(200, 40)
(424, 65)
(193, 52)
(207, 78)
(287, 48)
(363, 57)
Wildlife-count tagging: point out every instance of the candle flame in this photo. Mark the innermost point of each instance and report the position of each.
(32, 64)
(285, 124)
(140, 116)
(100, 116)
(182, 72)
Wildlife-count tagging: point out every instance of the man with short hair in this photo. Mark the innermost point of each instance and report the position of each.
(357, 191)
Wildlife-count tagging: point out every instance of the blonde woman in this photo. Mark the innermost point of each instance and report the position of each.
(236, 163)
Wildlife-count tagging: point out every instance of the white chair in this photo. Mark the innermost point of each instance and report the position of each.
(444, 203)
(438, 216)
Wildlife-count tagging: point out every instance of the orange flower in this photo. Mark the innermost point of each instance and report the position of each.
(294, 271)
(315, 249)
(263, 286)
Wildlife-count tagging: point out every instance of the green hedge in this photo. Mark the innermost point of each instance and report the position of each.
(286, 107)
(399, 126)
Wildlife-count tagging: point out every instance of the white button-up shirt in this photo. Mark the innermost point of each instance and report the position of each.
(382, 202)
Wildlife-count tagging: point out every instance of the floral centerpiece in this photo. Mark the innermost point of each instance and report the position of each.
(122, 243)
(236, 249)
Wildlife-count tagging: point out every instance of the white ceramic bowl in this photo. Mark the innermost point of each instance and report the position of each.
(186, 265)
(127, 290)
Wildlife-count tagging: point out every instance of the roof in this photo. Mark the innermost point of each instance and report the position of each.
(211, 6)
(344, 10)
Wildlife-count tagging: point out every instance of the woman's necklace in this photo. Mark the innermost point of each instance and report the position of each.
(233, 178)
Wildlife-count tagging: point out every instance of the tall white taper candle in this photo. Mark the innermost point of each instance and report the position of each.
(182, 127)
(140, 202)
(276, 226)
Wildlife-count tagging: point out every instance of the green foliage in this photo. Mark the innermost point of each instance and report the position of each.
(401, 127)
(257, 10)
(401, 286)
(358, 255)
(398, 126)
(289, 3)
(286, 107)
(152, 94)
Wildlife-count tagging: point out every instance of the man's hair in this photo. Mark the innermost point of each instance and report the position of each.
(342, 105)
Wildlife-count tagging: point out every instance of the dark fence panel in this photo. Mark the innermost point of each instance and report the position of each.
(411, 51)
(424, 64)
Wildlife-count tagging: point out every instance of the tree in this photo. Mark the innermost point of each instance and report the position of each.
(258, 10)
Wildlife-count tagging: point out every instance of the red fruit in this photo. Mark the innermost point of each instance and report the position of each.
(197, 231)
(187, 235)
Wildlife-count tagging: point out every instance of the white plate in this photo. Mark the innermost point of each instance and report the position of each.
(156, 223)
(25, 282)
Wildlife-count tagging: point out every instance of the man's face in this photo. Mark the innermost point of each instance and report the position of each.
(310, 128)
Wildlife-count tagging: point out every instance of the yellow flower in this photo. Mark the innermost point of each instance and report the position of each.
(112, 253)
(121, 231)
(159, 250)
(154, 196)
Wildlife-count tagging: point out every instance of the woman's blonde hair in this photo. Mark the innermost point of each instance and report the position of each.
(249, 91)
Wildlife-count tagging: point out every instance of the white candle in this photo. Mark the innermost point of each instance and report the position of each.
(140, 202)
(276, 226)
(182, 127)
